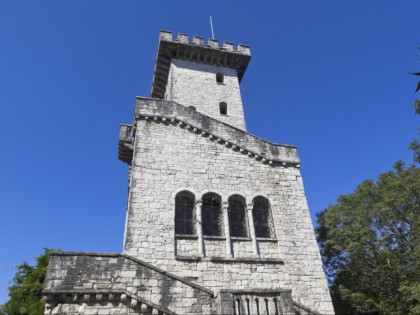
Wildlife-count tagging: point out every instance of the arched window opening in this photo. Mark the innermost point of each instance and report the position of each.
(237, 216)
(212, 215)
(184, 213)
(223, 108)
(192, 108)
(262, 218)
(220, 77)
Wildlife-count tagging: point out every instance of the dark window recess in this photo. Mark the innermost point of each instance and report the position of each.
(262, 218)
(192, 108)
(211, 215)
(223, 108)
(237, 217)
(184, 213)
(220, 77)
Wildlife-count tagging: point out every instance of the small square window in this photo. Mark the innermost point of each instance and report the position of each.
(220, 77)
(223, 108)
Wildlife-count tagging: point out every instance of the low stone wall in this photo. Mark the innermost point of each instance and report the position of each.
(88, 283)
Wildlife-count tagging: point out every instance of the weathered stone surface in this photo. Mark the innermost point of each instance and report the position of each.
(188, 143)
(194, 84)
(206, 126)
(198, 52)
(94, 280)
(169, 159)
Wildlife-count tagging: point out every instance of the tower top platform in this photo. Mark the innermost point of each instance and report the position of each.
(195, 51)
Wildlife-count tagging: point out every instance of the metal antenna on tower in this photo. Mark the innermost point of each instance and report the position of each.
(211, 25)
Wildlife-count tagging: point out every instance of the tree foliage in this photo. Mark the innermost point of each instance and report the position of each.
(370, 245)
(26, 291)
(415, 144)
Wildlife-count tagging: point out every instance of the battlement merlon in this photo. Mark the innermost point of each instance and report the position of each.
(196, 51)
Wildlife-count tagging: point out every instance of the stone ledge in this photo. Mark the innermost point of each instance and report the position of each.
(262, 239)
(250, 260)
(256, 291)
(189, 258)
(186, 236)
(247, 260)
(238, 239)
(214, 237)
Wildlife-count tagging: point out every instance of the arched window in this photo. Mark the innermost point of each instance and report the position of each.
(223, 108)
(220, 77)
(237, 216)
(184, 213)
(262, 218)
(212, 215)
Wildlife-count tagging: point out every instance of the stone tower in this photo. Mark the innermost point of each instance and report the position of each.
(217, 220)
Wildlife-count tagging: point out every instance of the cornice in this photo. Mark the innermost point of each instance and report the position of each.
(168, 112)
(196, 51)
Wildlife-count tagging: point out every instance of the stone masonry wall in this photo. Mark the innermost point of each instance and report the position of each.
(100, 283)
(169, 158)
(194, 84)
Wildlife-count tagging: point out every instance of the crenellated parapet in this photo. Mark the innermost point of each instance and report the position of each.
(195, 50)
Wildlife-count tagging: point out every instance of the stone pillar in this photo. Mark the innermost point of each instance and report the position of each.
(252, 230)
(225, 206)
(199, 227)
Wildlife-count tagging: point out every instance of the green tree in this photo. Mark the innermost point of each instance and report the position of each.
(415, 145)
(26, 291)
(370, 245)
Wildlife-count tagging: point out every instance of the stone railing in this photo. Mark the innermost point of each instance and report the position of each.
(256, 302)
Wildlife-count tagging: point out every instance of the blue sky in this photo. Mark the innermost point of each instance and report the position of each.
(328, 76)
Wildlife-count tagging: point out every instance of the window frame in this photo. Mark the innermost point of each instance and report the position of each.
(240, 223)
(223, 106)
(220, 78)
(212, 215)
(267, 227)
(182, 220)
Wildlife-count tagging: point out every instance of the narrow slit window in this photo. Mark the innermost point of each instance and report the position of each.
(184, 213)
(223, 108)
(212, 215)
(262, 218)
(237, 217)
(220, 77)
